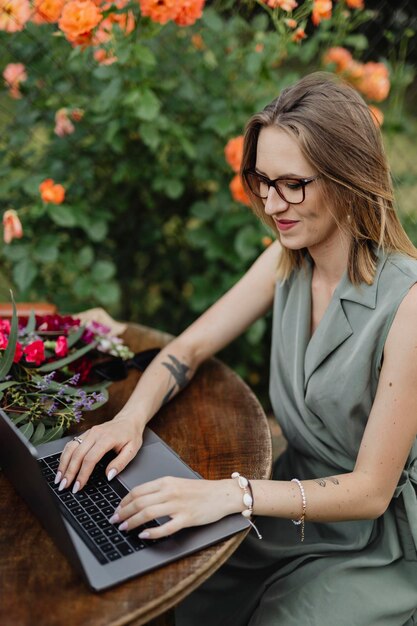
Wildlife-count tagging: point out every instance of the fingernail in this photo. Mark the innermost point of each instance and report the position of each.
(114, 518)
(76, 487)
(144, 535)
(123, 526)
(112, 473)
(57, 478)
(62, 484)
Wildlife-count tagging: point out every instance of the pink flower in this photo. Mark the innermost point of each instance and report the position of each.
(61, 346)
(63, 124)
(35, 352)
(14, 74)
(12, 226)
(3, 341)
(5, 326)
(14, 14)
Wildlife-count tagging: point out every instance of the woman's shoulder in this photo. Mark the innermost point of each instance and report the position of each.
(401, 265)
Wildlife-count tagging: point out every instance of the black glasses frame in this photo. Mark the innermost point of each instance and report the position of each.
(273, 183)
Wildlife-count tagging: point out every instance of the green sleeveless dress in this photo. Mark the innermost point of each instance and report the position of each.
(355, 573)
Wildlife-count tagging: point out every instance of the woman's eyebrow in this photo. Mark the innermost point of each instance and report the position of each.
(287, 175)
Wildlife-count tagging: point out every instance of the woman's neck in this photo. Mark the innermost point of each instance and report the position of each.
(330, 260)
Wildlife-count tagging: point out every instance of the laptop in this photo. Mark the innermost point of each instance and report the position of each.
(79, 524)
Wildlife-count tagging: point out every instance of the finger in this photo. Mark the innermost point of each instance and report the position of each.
(146, 515)
(90, 459)
(162, 530)
(135, 507)
(152, 486)
(75, 463)
(69, 450)
(126, 454)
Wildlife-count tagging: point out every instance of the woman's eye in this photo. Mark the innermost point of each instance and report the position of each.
(292, 184)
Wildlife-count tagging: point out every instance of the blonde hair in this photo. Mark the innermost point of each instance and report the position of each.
(337, 135)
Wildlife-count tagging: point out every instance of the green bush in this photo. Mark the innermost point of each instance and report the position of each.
(148, 228)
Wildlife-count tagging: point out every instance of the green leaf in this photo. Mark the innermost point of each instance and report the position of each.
(46, 251)
(27, 430)
(62, 215)
(144, 55)
(51, 434)
(74, 336)
(24, 273)
(39, 433)
(97, 231)
(49, 367)
(109, 96)
(85, 257)
(7, 384)
(19, 417)
(213, 21)
(150, 135)
(83, 286)
(256, 332)
(7, 359)
(148, 105)
(31, 324)
(103, 270)
(107, 293)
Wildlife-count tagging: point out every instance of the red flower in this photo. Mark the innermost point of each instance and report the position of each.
(56, 322)
(82, 367)
(18, 353)
(3, 341)
(35, 352)
(61, 346)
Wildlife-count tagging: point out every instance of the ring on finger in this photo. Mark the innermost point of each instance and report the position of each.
(77, 439)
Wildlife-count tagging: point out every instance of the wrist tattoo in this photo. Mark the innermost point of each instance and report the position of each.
(179, 372)
(322, 481)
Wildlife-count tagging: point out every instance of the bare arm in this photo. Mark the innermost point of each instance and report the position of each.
(228, 318)
(171, 371)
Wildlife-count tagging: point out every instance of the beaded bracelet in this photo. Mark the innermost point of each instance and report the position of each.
(248, 499)
(303, 513)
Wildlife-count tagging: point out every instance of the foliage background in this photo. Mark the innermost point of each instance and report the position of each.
(149, 229)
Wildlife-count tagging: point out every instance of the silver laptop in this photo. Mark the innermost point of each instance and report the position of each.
(79, 523)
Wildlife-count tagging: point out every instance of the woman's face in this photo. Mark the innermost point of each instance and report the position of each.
(304, 225)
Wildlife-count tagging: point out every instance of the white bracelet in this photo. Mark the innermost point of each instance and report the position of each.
(304, 503)
(247, 499)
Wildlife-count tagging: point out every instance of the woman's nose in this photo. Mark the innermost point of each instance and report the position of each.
(274, 203)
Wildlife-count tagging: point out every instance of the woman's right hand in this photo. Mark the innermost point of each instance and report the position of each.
(122, 434)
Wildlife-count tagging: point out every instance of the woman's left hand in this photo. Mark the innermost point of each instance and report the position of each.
(187, 502)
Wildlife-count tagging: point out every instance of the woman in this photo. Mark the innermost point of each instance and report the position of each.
(341, 277)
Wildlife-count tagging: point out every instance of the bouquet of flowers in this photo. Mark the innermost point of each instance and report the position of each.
(47, 371)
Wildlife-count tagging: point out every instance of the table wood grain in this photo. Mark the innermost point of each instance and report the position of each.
(217, 426)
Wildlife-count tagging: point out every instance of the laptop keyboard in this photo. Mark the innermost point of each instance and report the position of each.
(89, 510)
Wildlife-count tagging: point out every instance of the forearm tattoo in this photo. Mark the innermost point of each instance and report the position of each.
(322, 481)
(180, 374)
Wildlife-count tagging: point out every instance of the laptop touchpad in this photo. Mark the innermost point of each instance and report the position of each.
(154, 461)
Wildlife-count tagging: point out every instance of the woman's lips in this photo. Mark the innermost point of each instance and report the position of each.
(285, 224)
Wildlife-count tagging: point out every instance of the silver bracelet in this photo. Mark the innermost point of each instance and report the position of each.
(247, 499)
(304, 503)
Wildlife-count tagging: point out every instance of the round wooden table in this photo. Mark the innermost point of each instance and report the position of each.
(217, 426)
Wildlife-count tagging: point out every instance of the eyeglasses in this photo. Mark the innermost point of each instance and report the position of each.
(291, 190)
(117, 369)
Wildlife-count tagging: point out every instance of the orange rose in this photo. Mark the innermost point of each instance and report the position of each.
(50, 192)
(374, 83)
(189, 11)
(322, 10)
(14, 14)
(339, 56)
(298, 35)
(160, 11)
(233, 152)
(355, 4)
(12, 226)
(291, 23)
(47, 11)
(285, 5)
(237, 190)
(78, 19)
(377, 115)
(103, 57)
(198, 42)
(14, 74)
